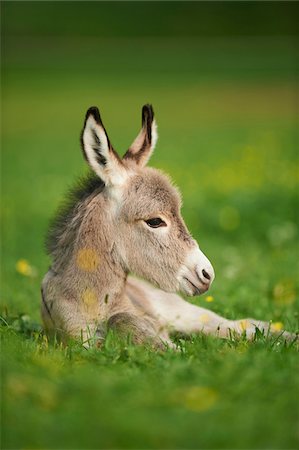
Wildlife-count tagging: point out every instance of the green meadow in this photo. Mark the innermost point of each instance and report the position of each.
(227, 117)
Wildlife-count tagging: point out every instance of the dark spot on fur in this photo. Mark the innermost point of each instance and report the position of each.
(99, 157)
(161, 247)
(45, 304)
(96, 138)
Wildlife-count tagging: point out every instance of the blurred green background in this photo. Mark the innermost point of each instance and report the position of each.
(223, 80)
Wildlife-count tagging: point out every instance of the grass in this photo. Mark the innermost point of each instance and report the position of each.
(226, 116)
(214, 394)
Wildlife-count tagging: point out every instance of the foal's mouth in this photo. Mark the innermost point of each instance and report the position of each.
(196, 290)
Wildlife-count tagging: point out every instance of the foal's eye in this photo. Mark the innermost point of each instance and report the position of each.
(155, 223)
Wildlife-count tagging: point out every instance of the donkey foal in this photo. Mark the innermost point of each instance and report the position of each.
(125, 217)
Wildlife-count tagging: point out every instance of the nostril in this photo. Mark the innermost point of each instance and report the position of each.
(205, 274)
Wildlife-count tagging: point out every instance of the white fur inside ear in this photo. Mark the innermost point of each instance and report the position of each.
(154, 135)
(95, 144)
(100, 157)
(137, 144)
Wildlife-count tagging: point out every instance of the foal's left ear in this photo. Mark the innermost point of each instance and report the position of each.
(143, 146)
(98, 150)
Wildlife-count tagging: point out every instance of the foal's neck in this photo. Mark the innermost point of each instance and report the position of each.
(95, 263)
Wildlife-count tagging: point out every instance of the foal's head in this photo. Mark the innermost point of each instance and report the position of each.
(150, 236)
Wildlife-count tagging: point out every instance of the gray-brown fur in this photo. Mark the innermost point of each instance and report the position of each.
(87, 226)
(141, 330)
(102, 234)
(64, 225)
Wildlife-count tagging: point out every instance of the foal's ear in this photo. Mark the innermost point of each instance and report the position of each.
(98, 150)
(143, 146)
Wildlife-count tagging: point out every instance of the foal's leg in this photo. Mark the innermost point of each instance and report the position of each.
(64, 317)
(175, 314)
(142, 330)
(178, 315)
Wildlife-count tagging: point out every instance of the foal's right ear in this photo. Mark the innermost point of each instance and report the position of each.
(98, 150)
(143, 146)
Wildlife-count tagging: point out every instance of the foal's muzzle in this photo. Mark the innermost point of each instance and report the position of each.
(196, 274)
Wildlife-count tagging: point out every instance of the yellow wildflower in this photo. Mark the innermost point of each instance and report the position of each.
(209, 299)
(276, 326)
(24, 268)
(199, 398)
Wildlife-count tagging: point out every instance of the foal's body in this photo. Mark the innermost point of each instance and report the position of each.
(145, 312)
(126, 218)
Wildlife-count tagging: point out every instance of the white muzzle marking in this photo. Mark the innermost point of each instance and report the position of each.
(196, 274)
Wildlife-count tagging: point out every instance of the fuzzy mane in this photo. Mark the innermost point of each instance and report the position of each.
(86, 186)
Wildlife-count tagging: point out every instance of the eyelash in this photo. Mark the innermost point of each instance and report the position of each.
(156, 222)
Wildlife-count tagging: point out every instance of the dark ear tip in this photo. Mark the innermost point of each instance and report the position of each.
(147, 112)
(95, 113)
(147, 108)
